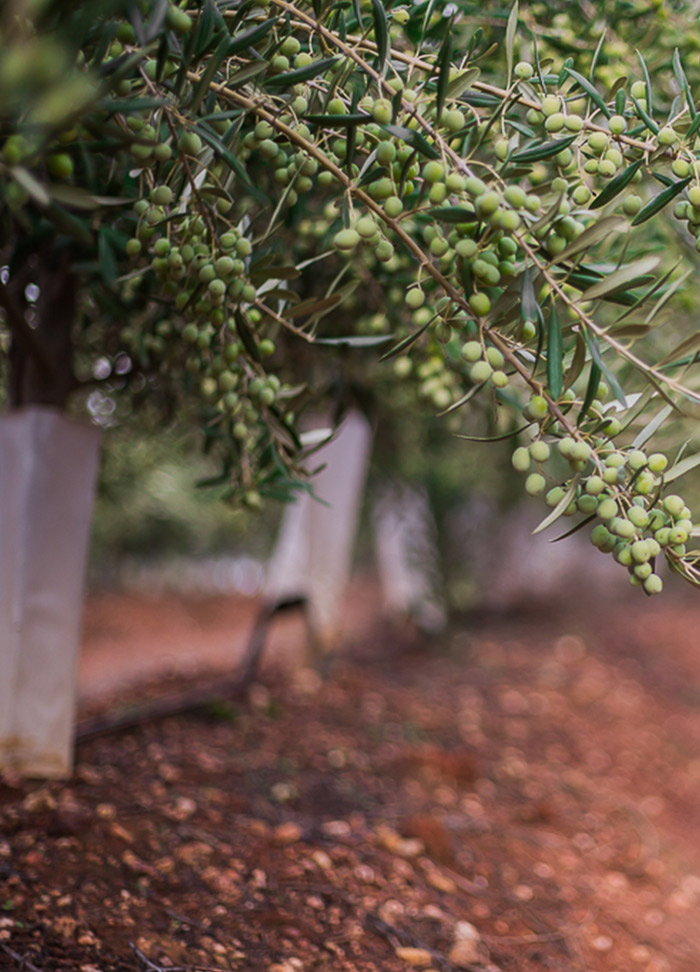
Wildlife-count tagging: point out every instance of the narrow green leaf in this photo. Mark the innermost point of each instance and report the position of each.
(659, 201)
(201, 89)
(462, 82)
(559, 509)
(107, 262)
(381, 33)
(621, 278)
(694, 127)
(683, 467)
(204, 31)
(665, 297)
(683, 82)
(594, 348)
(647, 81)
(555, 354)
(246, 335)
(651, 427)
(685, 347)
(69, 224)
(313, 306)
(543, 151)
(247, 73)
(594, 234)
(529, 308)
(414, 139)
(249, 37)
(645, 116)
(157, 19)
(227, 155)
(591, 91)
(31, 185)
(338, 121)
(596, 55)
(577, 363)
(444, 64)
(511, 28)
(575, 529)
(492, 438)
(288, 78)
(591, 391)
(355, 341)
(453, 214)
(406, 343)
(616, 185)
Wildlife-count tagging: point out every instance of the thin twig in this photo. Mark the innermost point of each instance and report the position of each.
(153, 967)
(24, 963)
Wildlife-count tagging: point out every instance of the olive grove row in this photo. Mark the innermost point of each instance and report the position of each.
(208, 205)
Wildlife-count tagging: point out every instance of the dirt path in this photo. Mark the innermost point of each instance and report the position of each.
(525, 796)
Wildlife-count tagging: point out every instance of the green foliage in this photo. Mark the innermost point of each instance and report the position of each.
(249, 191)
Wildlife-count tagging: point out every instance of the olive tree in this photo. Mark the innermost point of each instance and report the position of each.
(210, 208)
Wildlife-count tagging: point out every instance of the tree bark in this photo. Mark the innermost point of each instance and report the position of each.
(41, 351)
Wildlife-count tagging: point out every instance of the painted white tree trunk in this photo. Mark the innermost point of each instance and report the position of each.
(405, 541)
(313, 554)
(48, 467)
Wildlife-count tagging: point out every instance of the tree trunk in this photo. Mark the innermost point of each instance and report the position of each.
(48, 465)
(313, 555)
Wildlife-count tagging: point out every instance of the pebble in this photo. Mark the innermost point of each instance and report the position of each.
(419, 958)
(287, 833)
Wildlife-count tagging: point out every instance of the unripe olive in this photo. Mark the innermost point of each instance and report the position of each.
(617, 124)
(499, 379)
(60, 165)
(536, 408)
(384, 250)
(190, 143)
(680, 168)
(454, 120)
(475, 186)
(595, 485)
(653, 584)
(480, 372)
(602, 538)
(636, 459)
(638, 516)
(597, 142)
(480, 304)
(550, 105)
(393, 206)
(487, 203)
(433, 171)
(535, 484)
(466, 248)
(455, 182)
(565, 446)
(495, 358)
(573, 123)
(415, 297)
(381, 111)
(523, 70)
(554, 496)
(346, 240)
(581, 452)
(607, 509)
(554, 122)
(653, 547)
(632, 204)
(472, 351)
(178, 20)
(622, 527)
(667, 136)
(540, 451)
